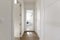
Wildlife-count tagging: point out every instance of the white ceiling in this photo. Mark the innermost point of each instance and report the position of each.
(29, 1)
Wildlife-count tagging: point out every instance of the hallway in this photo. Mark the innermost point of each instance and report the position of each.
(29, 35)
(45, 24)
(26, 19)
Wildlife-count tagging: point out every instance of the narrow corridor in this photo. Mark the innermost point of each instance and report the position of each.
(26, 17)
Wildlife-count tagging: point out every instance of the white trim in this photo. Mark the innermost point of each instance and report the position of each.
(42, 32)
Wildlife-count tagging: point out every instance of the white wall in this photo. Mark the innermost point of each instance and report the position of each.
(50, 20)
(37, 17)
(6, 19)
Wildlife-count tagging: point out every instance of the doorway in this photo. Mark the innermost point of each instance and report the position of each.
(29, 28)
(29, 21)
(25, 21)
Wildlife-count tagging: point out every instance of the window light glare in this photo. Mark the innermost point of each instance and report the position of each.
(15, 1)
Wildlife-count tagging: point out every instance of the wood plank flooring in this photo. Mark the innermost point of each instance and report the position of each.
(17, 38)
(31, 35)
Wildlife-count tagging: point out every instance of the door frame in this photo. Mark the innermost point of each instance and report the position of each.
(42, 21)
(42, 32)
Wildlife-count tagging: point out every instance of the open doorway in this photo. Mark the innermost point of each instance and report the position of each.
(30, 30)
(25, 21)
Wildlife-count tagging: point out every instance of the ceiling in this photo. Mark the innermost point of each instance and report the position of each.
(29, 1)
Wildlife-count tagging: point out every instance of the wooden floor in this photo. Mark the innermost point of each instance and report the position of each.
(17, 38)
(31, 35)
